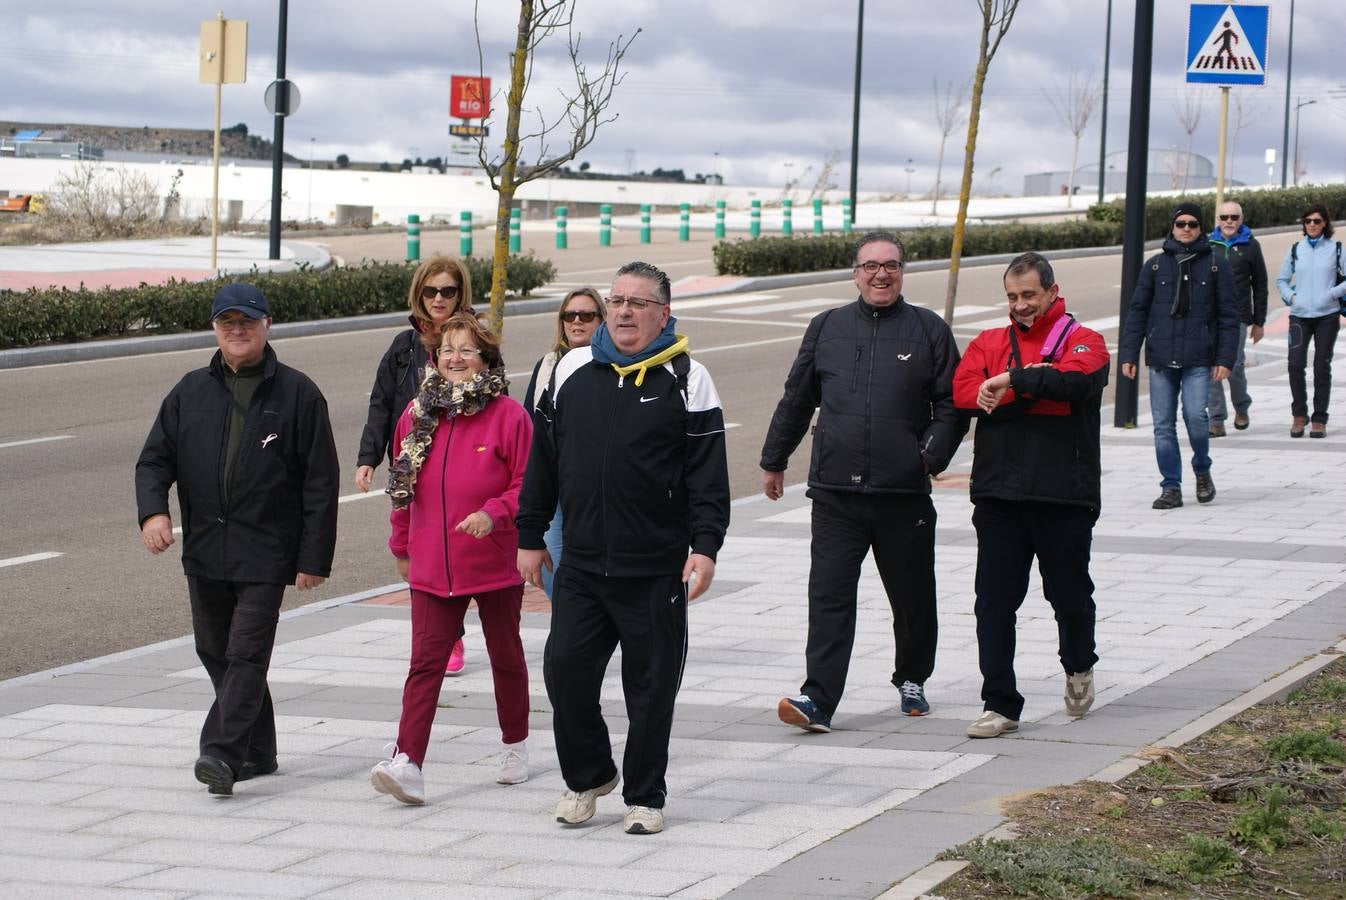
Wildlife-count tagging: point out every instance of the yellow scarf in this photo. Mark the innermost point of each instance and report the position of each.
(658, 359)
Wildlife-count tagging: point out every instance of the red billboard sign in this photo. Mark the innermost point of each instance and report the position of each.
(469, 97)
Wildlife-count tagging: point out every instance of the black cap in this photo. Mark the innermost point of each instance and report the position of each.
(1190, 209)
(243, 297)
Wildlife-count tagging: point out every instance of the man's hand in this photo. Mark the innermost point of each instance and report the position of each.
(306, 582)
(156, 533)
(477, 525)
(531, 563)
(773, 485)
(1256, 331)
(1129, 370)
(992, 391)
(364, 478)
(697, 574)
(1219, 373)
(403, 567)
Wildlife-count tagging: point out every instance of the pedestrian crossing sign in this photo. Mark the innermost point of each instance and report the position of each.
(1227, 44)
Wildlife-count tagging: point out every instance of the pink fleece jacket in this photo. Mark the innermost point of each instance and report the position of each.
(475, 463)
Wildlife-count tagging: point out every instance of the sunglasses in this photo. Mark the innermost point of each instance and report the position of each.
(1230, 217)
(448, 292)
(579, 315)
(1186, 223)
(1314, 221)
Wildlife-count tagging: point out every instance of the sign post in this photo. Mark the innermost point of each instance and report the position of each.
(224, 60)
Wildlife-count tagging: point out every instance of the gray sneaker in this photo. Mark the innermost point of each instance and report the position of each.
(643, 820)
(577, 807)
(1079, 693)
(991, 724)
(398, 776)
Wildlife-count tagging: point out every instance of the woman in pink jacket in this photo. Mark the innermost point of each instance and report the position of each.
(455, 491)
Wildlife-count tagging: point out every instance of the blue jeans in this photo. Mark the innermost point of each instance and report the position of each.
(1193, 383)
(553, 541)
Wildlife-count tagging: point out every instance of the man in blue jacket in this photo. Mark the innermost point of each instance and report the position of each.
(1233, 240)
(1183, 309)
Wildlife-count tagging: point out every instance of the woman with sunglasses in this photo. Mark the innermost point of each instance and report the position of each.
(1311, 284)
(440, 288)
(463, 447)
(578, 318)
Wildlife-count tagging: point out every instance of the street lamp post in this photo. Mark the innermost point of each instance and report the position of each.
(1103, 120)
(1298, 106)
(310, 178)
(909, 169)
(1289, 65)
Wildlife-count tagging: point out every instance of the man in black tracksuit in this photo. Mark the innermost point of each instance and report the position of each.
(629, 436)
(881, 371)
(248, 442)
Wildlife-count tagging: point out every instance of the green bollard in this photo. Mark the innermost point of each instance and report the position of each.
(515, 233)
(787, 226)
(644, 223)
(719, 219)
(755, 223)
(846, 215)
(817, 216)
(560, 228)
(413, 237)
(605, 225)
(684, 221)
(465, 233)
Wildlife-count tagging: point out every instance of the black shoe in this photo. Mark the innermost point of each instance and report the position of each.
(1205, 489)
(253, 769)
(1169, 499)
(215, 774)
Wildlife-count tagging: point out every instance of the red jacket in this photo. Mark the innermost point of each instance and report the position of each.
(1042, 442)
(475, 463)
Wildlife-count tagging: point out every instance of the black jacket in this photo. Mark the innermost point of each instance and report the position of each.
(1199, 330)
(883, 377)
(1250, 275)
(282, 509)
(395, 385)
(640, 470)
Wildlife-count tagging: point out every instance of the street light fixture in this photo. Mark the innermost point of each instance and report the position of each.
(1298, 106)
(909, 168)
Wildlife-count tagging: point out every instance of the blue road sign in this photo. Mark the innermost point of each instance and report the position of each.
(1227, 44)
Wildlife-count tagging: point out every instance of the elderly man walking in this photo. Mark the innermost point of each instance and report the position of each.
(1233, 240)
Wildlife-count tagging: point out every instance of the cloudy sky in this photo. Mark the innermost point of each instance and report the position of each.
(759, 90)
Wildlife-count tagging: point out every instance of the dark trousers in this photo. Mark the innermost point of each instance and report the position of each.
(1009, 535)
(900, 529)
(235, 627)
(1323, 332)
(590, 616)
(436, 623)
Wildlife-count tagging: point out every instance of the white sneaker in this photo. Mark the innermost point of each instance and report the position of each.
(577, 807)
(991, 724)
(1079, 693)
(514, 767)
(643, 820)
(399, 776)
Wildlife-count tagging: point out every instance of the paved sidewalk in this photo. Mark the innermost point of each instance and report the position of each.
(1196, 605)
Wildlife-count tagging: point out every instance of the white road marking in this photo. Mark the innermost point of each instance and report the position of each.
(360, 496)
(729, 425)
(41, 440)
(739, 322)
(31, 557)
(700, 350)
(789, 305)
(1104, 323)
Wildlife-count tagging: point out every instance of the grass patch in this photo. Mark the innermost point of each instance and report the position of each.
(1056, 867)
(1310, 746)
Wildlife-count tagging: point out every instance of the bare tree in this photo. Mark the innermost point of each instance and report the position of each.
(1074, 103)
(997, 15)
(584, 108)
(824, 182)
(1190, 111)
(949, 114)
(1246, 108)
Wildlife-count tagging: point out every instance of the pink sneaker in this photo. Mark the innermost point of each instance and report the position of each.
(455, 666)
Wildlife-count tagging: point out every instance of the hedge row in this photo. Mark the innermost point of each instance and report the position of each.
(36, 316)
(814, 253)
(1261, 209)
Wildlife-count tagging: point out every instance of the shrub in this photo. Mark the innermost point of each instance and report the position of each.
(1311, 746)
(1202, 858)
(1058, 867)
(1265, 825)
(1261, 209)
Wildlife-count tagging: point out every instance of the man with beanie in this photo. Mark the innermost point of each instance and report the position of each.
(1233, 240)
(1183, 310)
(248, 443)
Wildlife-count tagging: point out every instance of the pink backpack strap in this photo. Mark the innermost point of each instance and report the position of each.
(1057, 337)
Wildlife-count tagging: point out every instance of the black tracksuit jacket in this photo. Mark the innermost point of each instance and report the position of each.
(395, 384)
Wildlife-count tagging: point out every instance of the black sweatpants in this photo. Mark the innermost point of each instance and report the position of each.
(590, 616)
(235, 628)
(1009, 535)
(901, 531)
(1323, 332)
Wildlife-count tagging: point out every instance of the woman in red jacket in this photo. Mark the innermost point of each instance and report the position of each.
(455, 491)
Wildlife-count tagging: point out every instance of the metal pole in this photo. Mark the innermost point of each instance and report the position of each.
(1224, 136)
(1137, 174)
(855, 114)
(278, 139)
(1298, 106)
(1103, 122)
(1289, 65)
(215, 181)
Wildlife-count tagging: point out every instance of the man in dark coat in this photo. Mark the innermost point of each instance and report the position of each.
(1233, 240)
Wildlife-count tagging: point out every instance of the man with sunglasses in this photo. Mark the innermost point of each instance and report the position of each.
(248, 443)
(1183, 310)
(1233, 240)
(879, 372)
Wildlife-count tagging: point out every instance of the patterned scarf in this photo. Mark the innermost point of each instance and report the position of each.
(437, 395)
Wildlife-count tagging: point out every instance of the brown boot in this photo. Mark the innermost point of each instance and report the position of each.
(1297, 426)
(1318, 430)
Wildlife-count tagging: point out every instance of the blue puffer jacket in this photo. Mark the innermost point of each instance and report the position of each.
(1314, 291)
(1205, 333)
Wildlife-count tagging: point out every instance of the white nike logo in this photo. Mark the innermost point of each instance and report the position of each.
(904, 356)
(647, 399)
(269, 438)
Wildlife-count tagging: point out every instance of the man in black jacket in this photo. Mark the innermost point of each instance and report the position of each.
(881, 371)
(248, 442)
(629, 436)
(1233, 240)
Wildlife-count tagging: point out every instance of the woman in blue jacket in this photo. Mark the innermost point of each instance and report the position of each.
(1309, 285)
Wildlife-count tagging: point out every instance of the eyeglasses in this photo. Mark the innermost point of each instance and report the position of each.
(1230, 217)
(467, 353)
(580, 315)
(615, 302)
(244, 323)
(1186, 223)
(1313, 220)
(892, 266)
(448, 292)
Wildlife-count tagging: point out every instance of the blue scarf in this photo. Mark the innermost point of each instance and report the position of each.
(605, 351)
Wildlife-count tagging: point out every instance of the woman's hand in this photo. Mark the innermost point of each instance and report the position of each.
(478, 525)
(403, 567)
(364, 477)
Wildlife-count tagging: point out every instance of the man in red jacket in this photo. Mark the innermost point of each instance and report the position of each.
(1035, 387)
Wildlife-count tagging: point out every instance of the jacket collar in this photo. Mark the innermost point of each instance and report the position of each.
(882, 312)
(1242, 236)
(219, 370)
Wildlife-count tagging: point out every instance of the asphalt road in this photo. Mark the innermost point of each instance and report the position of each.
(70, 435)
